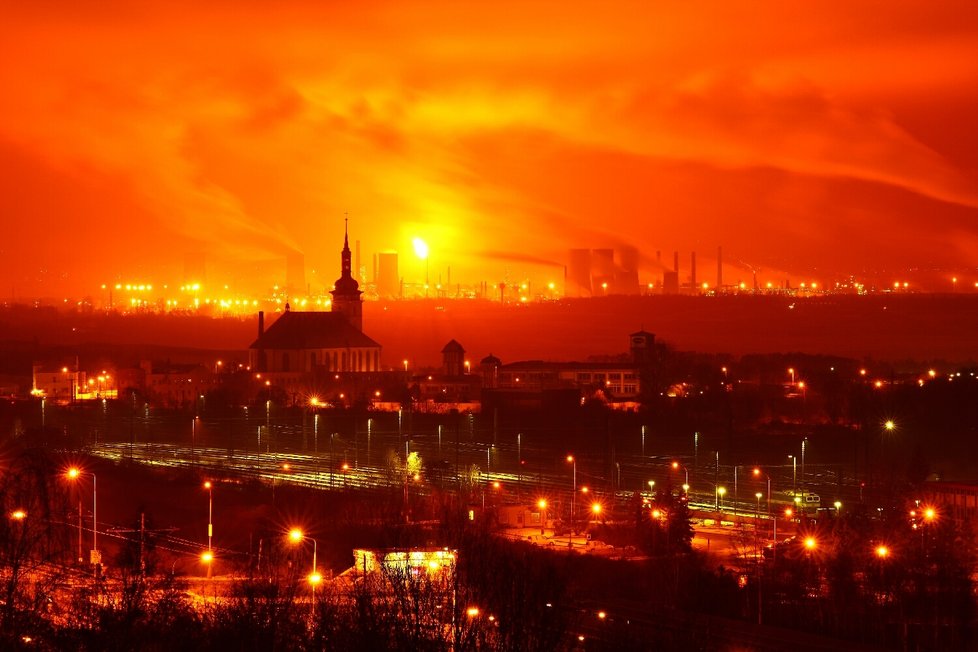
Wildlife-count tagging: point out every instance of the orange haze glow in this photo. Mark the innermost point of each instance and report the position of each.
(825, 137)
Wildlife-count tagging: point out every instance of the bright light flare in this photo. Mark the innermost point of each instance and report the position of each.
(295, 535)
(18, 515)
(420, 248)
(882, 552)
(315, 578)
(207, 557)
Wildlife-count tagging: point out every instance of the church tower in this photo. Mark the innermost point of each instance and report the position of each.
(346, 291)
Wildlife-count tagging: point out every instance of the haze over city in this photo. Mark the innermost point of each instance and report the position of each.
(812, 142)
(466, 326)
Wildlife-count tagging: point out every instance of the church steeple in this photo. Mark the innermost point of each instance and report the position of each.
(346, 291)
(347, 267)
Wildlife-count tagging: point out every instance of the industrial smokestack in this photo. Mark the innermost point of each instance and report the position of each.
(261, 323)
(692, 267)
(719, 268)
(675, 262)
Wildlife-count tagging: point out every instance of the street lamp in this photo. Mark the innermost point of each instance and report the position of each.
(677, 465)
(794, 472)
(758, 473)
(210, 525)
(721, 491)
(542, 504)
(757, 522)
(296, 536)
(570, 458)
(73, 474)
(193, 441)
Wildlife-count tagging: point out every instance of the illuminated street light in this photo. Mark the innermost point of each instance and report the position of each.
(810, 543)
(882, 552)
(721, 491)
(757, 474)
(889, 425)
(210, 524)
(18, 515)
(73, 474)
(570, 458)
(296, 536)
(677, 465)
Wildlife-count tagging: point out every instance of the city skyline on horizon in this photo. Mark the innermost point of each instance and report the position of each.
(810, 144)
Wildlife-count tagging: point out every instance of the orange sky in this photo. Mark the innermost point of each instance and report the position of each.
(815, 139)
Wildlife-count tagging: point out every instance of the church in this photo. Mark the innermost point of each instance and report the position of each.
(299, 343)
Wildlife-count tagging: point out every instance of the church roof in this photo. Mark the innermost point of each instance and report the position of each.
(491, 359)
(312, 330)
(453, 347)
(346, 285)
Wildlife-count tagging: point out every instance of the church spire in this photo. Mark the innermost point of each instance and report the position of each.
(346, 291)
(345, 255)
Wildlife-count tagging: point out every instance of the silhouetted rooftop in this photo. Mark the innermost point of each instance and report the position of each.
(312, 330)
(453, 347)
